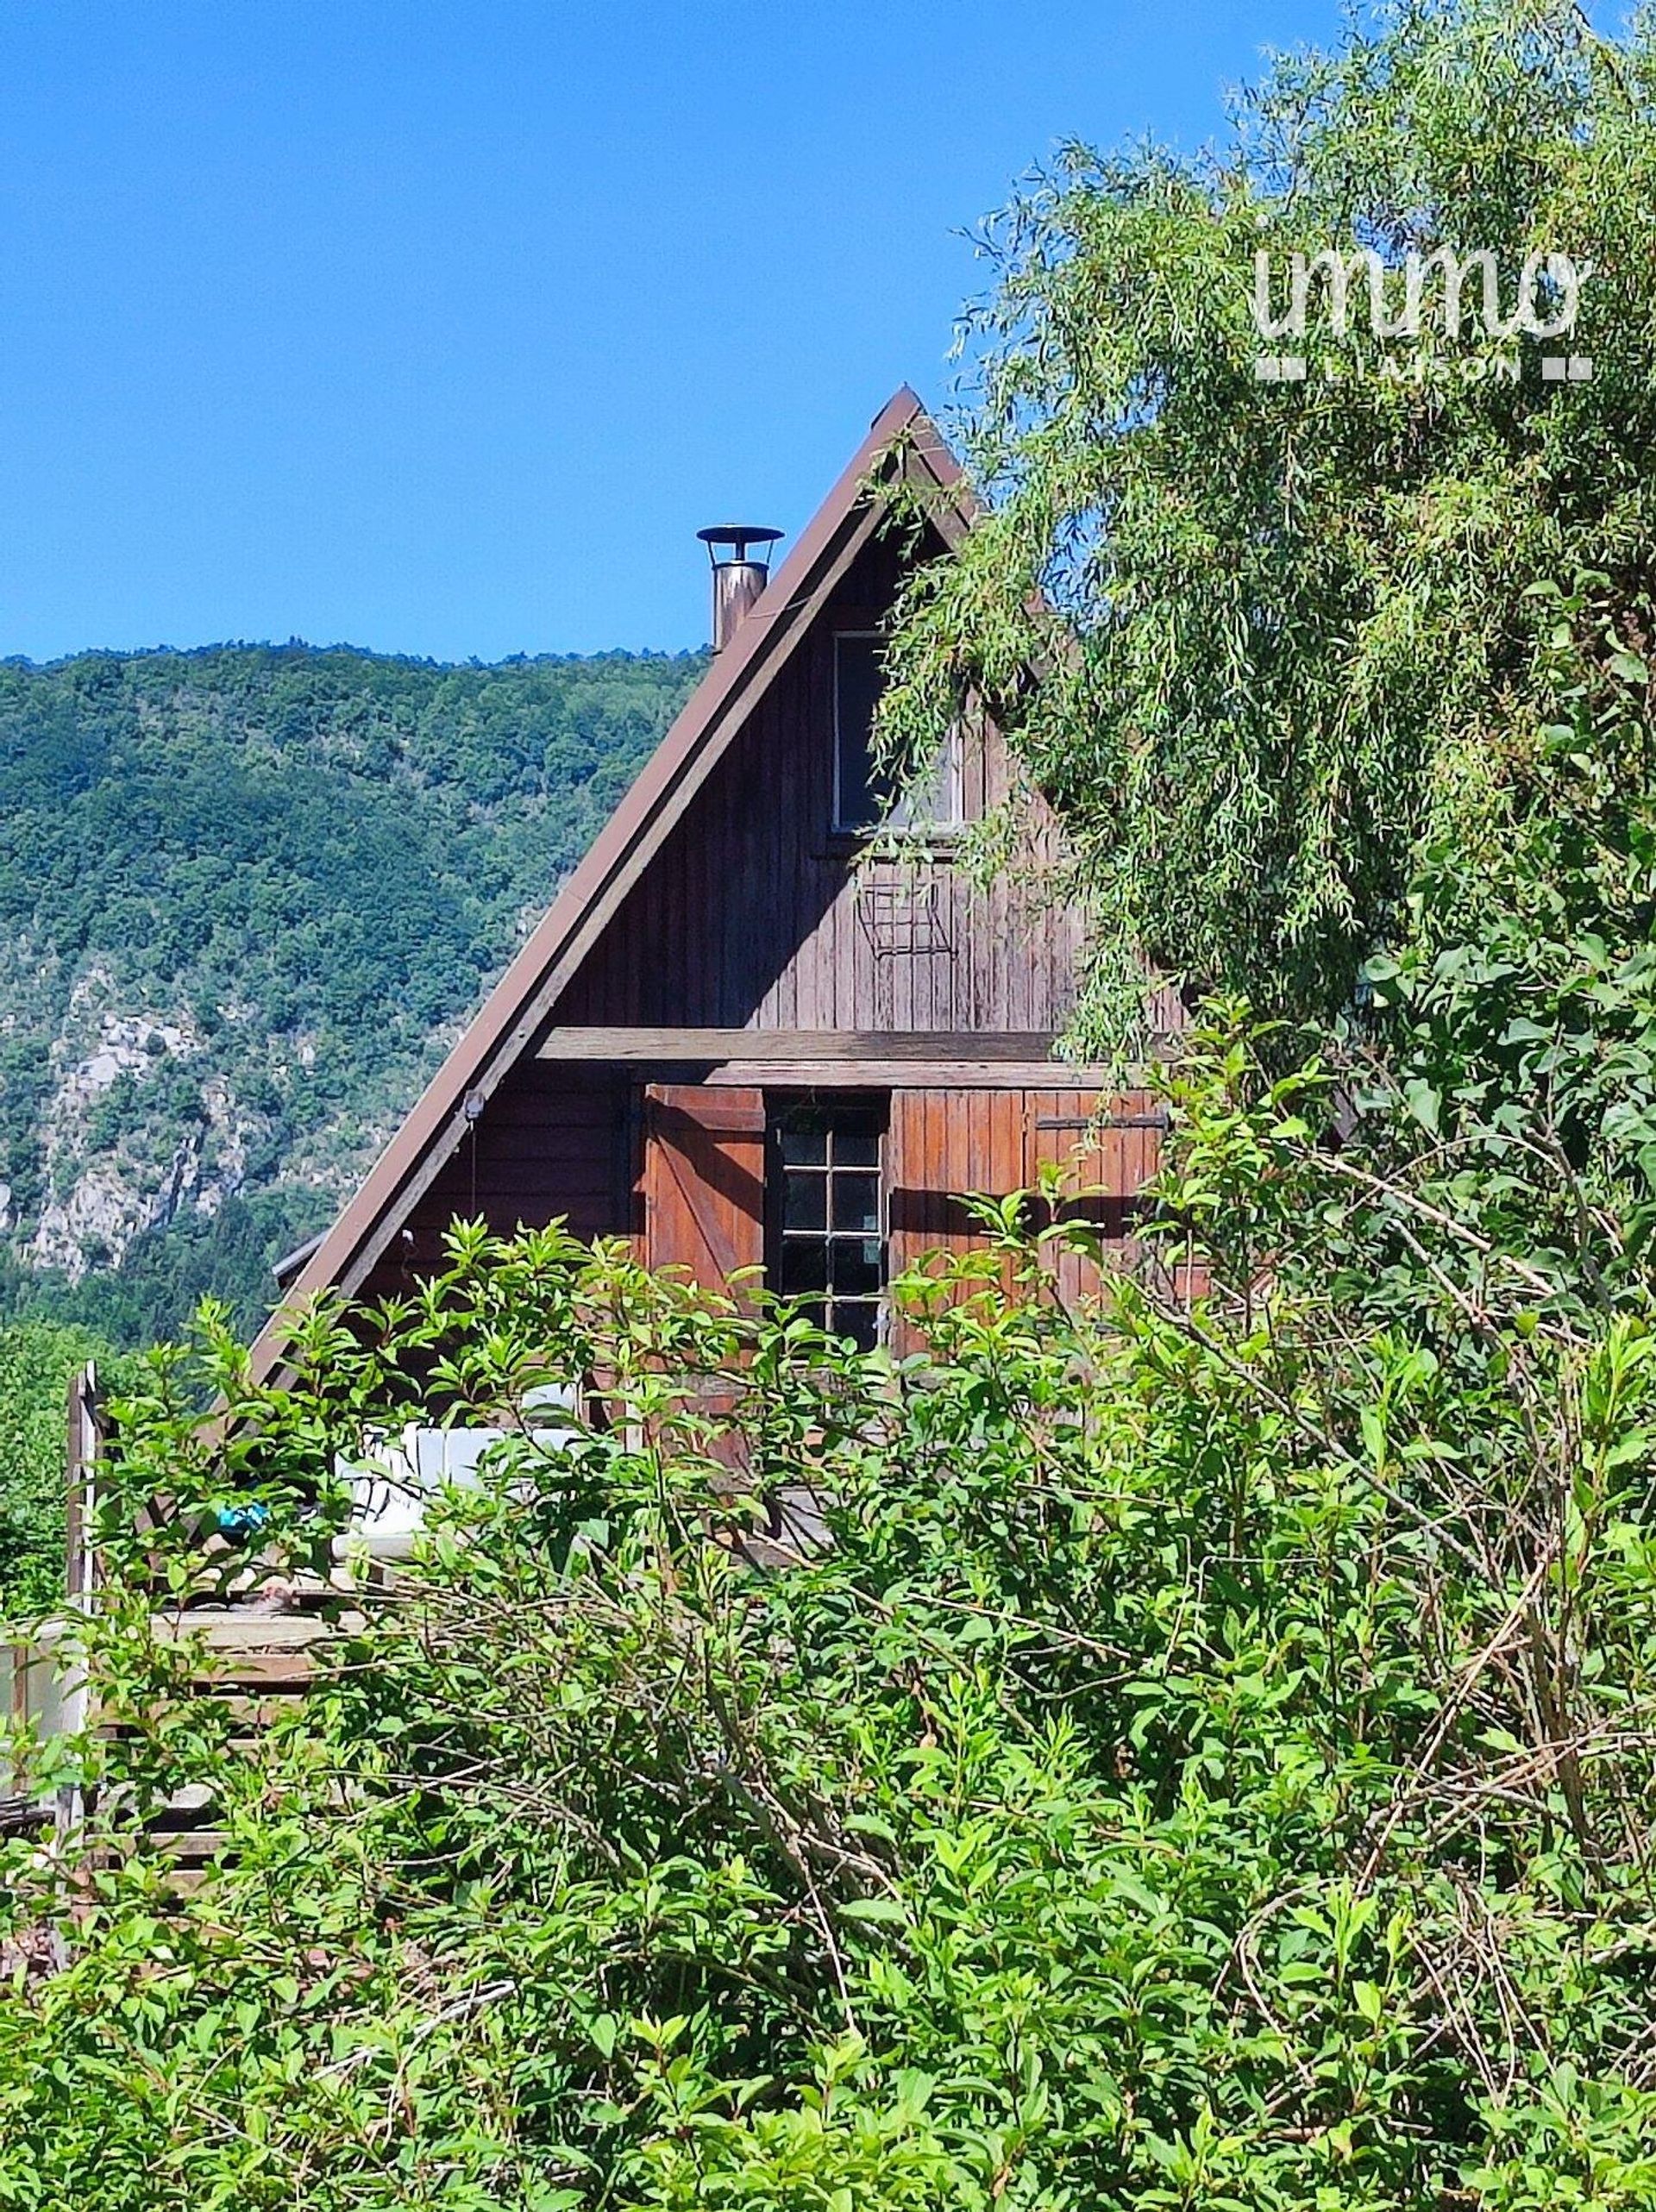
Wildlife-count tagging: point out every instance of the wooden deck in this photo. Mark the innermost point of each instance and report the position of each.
(258, 1665)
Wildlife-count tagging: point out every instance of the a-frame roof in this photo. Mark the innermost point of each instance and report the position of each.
(517, 1007)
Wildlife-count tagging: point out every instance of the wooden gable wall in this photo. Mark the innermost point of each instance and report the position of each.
(721, 958)
(552, 1141)
(755, 914)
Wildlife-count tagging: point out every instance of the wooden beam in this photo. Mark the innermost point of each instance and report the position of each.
(805, 1046)
(908, 1074)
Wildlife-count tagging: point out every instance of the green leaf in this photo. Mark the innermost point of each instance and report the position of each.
(1423, 1101)
(883, 1911)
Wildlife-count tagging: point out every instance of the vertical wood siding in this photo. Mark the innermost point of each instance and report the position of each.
(552, 1140)
(756, 914)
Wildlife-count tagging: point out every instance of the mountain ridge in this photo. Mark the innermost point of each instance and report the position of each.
(248, 894)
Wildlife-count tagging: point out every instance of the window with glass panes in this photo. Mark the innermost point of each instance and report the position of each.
(864, 794)
(828, 1241)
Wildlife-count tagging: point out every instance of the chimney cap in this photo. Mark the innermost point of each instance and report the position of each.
(738, 536)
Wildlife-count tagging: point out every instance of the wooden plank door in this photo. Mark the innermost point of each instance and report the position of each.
(703, 1179)
(1107, 1148)
(941, 1146)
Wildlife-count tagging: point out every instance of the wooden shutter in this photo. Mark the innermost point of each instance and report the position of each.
(945, 1143)
(703, 1179)
(940, 1146)
(1109, 1149)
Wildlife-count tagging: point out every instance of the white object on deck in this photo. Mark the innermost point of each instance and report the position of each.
(392, 1490)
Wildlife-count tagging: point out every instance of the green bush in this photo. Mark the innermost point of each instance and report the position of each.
(37, 1358)
(1209, 1766)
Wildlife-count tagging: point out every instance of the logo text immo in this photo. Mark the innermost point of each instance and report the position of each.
(1443, 287)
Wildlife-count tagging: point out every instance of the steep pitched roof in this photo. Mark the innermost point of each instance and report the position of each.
(517, 1007)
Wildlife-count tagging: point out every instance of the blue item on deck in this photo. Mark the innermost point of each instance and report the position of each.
(244, 1520)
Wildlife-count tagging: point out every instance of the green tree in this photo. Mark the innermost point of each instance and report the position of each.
(37, 1357)
(310, 864)
(1301, 647)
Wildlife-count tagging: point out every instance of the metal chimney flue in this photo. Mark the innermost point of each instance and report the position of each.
(739, 574)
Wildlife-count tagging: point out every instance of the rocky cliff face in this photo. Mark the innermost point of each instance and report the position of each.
(136, 1130)
(246, 896)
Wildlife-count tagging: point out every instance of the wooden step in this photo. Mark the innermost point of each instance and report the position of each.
(256, 1666)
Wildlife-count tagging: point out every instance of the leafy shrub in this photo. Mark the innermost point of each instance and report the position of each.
(37, 1358)
(1209, 1766)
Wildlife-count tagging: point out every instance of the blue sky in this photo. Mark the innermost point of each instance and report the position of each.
(440, 328)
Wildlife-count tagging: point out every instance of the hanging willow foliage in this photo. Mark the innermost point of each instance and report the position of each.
(1284, 628)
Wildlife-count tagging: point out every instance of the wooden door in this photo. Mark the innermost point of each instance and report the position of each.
(941, 1146)
(1105, 1150)
(704, 1181)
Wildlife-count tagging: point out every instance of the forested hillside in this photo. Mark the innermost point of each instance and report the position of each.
(246, 896)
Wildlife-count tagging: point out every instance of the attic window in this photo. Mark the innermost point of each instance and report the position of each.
(862, 790)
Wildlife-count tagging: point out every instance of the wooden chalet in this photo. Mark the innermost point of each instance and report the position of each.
(769, 1021)
(751, 1031)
